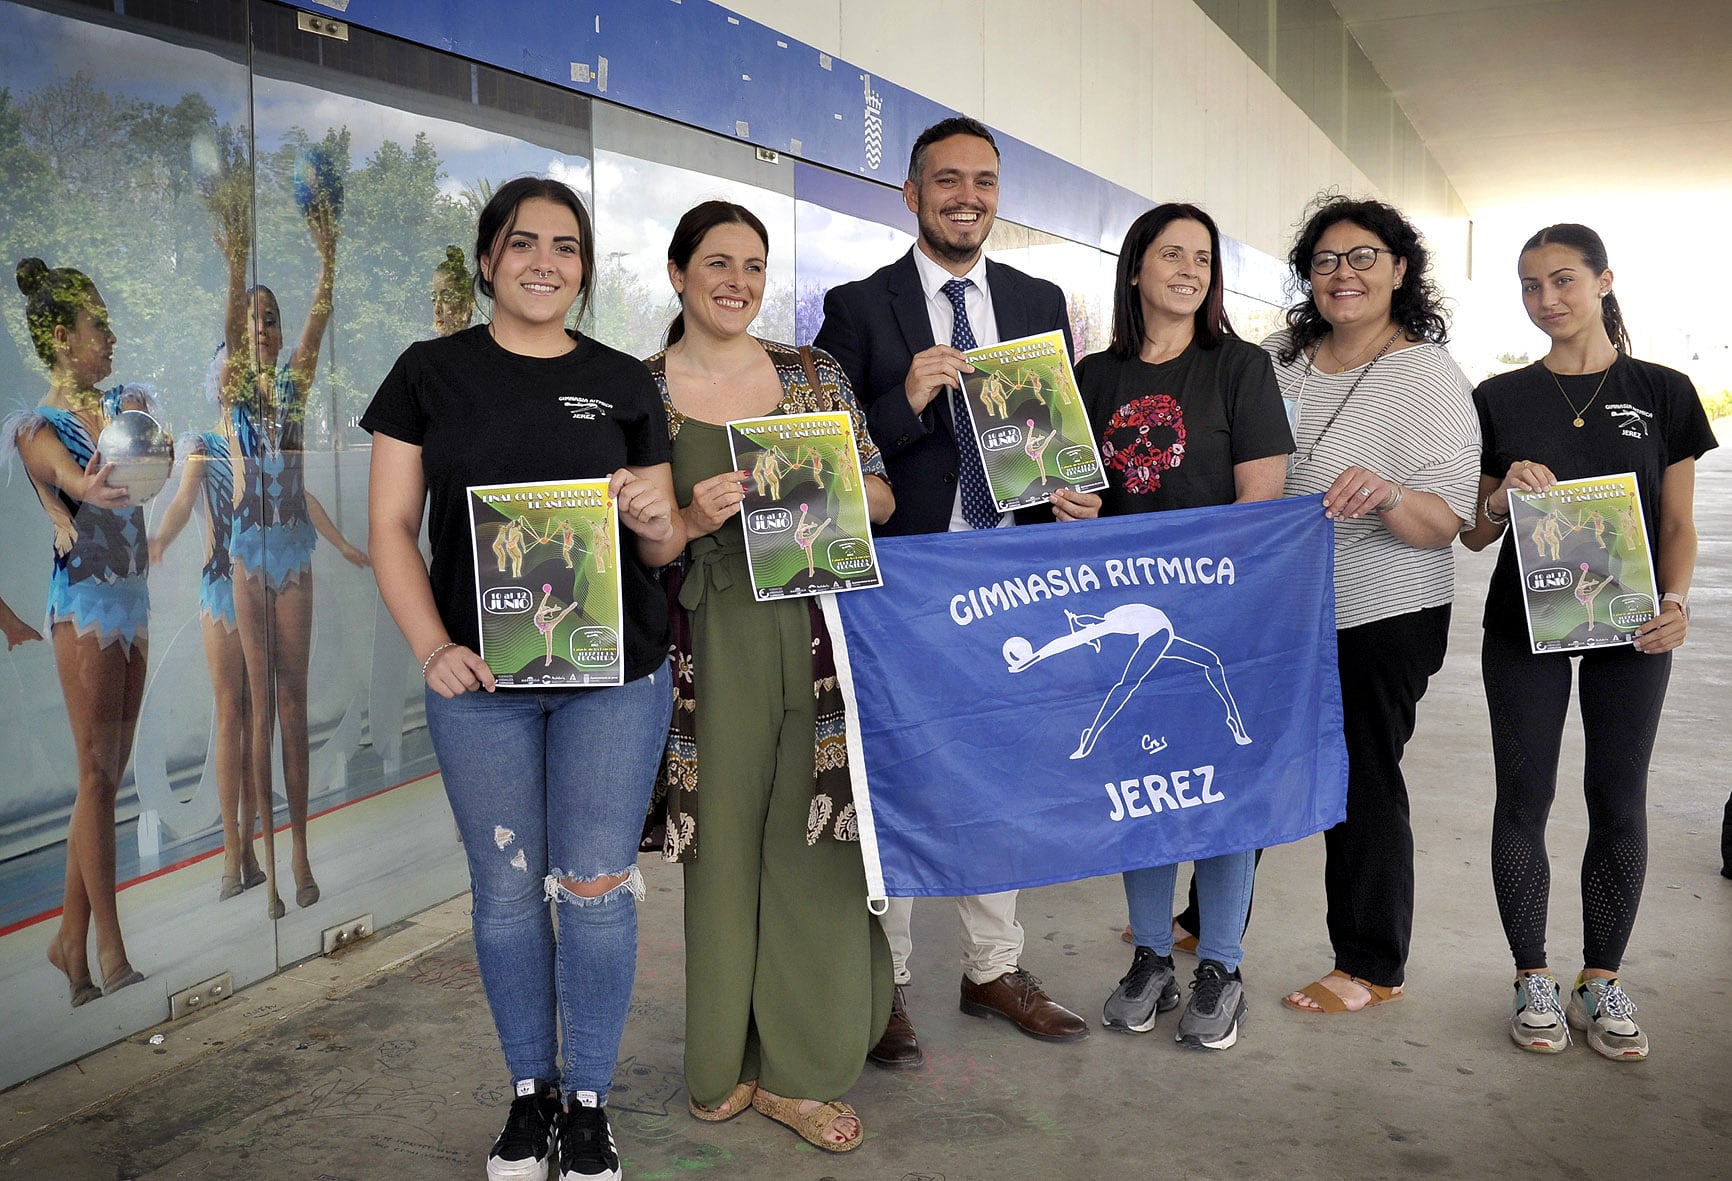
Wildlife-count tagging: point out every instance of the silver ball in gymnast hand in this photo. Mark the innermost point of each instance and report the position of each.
(140, 450)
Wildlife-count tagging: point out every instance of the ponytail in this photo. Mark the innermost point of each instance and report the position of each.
(1613, 315)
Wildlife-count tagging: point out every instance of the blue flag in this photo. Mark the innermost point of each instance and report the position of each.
(1053, 702)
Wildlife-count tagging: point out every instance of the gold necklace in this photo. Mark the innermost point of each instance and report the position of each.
(1329, 343)
(1584, 409)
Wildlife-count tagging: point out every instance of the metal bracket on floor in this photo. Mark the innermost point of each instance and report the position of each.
(200, 996)
(335, 939)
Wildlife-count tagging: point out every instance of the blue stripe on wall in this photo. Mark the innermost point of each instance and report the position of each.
(695, 62)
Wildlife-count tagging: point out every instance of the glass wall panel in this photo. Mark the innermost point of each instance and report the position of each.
(647, 173)
(381, 155)
(109, 138)
(1087, 284)
(846, 229)
(1253, 319)
(133, 151)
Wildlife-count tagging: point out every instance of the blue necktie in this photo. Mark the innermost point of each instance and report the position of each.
(978, 508)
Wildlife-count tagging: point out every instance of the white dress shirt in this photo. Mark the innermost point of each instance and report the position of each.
(978, 300)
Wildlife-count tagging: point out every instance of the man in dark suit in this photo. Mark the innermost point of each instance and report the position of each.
(899, 335)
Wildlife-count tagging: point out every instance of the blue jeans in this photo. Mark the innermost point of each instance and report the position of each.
(1223, 902)
(550, 786)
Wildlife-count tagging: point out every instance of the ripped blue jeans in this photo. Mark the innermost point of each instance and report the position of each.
(545, 787)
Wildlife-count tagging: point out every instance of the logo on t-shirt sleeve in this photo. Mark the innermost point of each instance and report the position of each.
(1145, 438)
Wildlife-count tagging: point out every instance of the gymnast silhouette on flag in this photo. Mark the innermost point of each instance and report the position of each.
(1156, 641)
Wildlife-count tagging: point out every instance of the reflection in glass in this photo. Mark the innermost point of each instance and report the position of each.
(453, 293)
(98, 601)
(637, 205)
(836, 248)
(275, 517)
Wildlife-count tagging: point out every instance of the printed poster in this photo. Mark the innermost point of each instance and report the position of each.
(1587, 574)
(547, 586)
(804, 515)
(1029, 421)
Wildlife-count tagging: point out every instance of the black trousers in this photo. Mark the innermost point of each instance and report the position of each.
(1368, 872)
(1620, 691)
(1725, 842)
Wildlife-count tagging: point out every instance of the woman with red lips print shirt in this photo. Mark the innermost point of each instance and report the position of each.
(1188, 416)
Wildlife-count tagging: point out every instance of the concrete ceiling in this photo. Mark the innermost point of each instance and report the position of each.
(1520, 99)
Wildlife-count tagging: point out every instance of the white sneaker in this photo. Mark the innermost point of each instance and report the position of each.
(1539, 1024)
(1604, 1011)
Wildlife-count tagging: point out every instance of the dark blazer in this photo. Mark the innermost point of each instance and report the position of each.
(873, 327)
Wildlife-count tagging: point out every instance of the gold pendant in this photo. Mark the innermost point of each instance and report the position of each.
(1578, 421)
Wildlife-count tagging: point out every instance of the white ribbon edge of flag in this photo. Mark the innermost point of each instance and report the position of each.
(876, 900)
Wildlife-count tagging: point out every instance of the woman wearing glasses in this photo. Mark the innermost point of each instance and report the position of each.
(1386, 431)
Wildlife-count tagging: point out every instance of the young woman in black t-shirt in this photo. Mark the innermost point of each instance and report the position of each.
(1587, 408)
(549, 786)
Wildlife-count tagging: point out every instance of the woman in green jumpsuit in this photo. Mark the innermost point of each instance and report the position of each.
(788, 979)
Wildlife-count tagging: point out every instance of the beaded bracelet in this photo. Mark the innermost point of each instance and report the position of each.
(1499, 519)
(428, 662)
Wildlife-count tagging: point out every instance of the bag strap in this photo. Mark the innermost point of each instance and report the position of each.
(811, 370)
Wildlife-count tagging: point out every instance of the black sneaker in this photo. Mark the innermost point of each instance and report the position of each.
(1217, 1008)
(586, 1149)
(526, 1145)
(1148, 988)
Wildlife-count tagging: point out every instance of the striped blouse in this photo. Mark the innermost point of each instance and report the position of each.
(1410, 420)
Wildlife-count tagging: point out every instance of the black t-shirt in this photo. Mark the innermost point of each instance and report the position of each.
(482, 415)
(1171, 433)
(1645, 419)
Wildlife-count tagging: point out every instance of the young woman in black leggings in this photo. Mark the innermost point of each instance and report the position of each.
(1587, 408)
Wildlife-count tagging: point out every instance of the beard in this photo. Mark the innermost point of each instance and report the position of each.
(932, 234)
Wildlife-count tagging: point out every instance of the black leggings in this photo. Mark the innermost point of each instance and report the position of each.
(1620, 695)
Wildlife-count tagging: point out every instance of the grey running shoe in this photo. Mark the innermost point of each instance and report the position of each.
(1217, 1006)
(1148, 988)
(1604, 1011)
(1539, 1024)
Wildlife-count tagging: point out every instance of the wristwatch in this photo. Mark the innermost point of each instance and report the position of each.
(1682, 601)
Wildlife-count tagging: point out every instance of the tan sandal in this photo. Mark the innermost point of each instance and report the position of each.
(737, 1101)
(1328, 1002)
(810, 1126)
(1185, 943)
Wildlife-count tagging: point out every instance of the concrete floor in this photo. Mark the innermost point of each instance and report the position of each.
(382, 1062)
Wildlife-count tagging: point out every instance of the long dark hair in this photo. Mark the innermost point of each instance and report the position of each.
(1586, 243)
(1416, 305)
(697, 221)
(53, 297)
(1212, 324)
(500, 217)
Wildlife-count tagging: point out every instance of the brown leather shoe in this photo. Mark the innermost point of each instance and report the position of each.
(898, 1049)
(1018, 998)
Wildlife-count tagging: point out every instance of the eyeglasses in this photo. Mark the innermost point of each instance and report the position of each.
(1360, 258)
